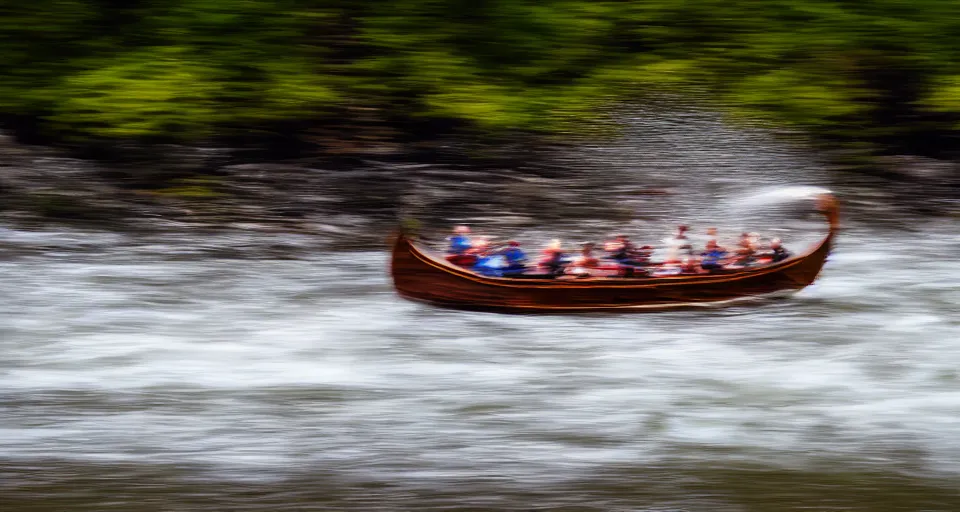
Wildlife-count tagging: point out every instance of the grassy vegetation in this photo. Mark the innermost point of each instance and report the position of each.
(882, 74)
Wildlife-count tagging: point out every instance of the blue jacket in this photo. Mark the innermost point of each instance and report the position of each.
(713, 257)
(460, 244)
(514, 256)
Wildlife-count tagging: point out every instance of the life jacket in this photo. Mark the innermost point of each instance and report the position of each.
(514, 256)
(460, 244)
(712, 257)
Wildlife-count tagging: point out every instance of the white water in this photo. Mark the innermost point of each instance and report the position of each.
(148, 350)
(266, 363)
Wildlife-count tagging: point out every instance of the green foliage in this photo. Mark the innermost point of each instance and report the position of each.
(186, 69)
(154, 91)
(203, 187)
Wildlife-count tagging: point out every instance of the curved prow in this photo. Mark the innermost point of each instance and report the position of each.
(828, 205)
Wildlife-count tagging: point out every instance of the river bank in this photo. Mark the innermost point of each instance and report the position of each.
(338, 191)
(320, 189)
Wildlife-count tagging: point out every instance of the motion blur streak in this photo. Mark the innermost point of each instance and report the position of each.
(185, 371)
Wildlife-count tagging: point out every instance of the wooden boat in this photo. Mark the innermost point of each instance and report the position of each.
(423, 275)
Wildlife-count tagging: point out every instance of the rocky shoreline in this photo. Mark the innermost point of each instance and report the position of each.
(327, 194)
(352, 194)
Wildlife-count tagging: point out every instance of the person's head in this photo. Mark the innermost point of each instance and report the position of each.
(513, 243)
(622, 238)
(712, 231)
(587, 247)
(554, 245)
(461, 230)
(712, 244)
(681, 229)
(775, 243)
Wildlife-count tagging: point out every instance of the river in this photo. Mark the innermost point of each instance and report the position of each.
(249, 370)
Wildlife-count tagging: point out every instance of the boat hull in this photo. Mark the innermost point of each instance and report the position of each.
(421, 276)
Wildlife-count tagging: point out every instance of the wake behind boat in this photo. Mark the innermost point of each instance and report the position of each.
(425, 275)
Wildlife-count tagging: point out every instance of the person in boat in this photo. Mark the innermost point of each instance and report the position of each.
(624, 252)
(643, 254)
(746, 249)
(515, 258)
(638, 257)
(780, 253)
(712, 238)
(712, 256)
(678, 247)
(619, 248)
(481, 248)
(553, 258)
(583, 264)
(460, 241)
(461, 251)
(495, 262)
(690, 265)
(586, 258)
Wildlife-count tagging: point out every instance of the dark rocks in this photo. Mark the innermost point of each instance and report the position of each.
(343, 196)
(922, 170)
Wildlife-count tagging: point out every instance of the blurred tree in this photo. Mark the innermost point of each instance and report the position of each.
(880, 71)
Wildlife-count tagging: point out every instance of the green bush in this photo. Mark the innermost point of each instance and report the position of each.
(186, 69)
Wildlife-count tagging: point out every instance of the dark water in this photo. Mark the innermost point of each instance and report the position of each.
(181, 370)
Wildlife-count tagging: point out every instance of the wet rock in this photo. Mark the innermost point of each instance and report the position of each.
(268, 171)
(922, 169)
